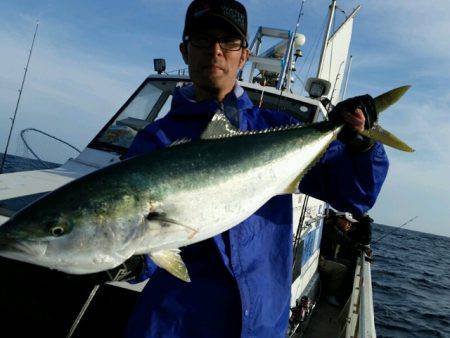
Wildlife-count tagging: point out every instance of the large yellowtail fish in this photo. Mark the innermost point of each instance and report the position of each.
(154, 204)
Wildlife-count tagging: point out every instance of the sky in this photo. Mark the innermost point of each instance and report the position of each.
(90, 56)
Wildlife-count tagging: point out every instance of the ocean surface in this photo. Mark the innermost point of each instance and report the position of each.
(410, 275)
(411, 283)
(17, 163)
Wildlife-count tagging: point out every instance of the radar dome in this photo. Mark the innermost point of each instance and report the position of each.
(299, 40)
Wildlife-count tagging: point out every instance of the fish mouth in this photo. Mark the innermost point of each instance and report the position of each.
(28, 248)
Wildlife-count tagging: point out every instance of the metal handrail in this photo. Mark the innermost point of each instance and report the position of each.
(361, 318)
(366, 314)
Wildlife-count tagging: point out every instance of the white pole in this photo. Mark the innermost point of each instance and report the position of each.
(327, 35)
(348, 76)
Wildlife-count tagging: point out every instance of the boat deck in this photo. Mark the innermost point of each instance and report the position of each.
(324, 321)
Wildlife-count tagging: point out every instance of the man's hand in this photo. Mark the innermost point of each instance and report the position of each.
(357, 114)
(355, 120)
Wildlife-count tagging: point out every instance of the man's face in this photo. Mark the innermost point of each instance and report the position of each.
(213, 68)
(343, 224)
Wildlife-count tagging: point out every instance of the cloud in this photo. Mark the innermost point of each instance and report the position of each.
(420, 27)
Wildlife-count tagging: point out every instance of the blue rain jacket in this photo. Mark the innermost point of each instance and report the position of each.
(241, 279)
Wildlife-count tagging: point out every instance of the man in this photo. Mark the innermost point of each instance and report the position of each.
(337, 269)
(241, 279)
(335, 234)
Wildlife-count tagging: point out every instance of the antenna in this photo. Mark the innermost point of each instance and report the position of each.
(13, 119)
(287, 69)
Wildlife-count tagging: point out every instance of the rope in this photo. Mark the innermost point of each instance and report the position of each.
(314, 49)
(180, 71)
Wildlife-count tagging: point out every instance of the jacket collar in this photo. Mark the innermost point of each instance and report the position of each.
(184, 104)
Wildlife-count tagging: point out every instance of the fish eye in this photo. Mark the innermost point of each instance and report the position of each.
(57, 231)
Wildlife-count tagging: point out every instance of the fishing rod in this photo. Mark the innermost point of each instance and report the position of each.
(396, 229)
(13, 119)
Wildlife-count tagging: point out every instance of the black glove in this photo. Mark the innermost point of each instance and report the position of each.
(355, 141)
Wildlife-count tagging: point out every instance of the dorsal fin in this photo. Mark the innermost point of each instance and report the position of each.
(219, 126)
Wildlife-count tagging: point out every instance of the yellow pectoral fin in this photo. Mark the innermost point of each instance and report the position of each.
(170, 260)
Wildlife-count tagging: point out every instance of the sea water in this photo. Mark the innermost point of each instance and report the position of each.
(411, 283)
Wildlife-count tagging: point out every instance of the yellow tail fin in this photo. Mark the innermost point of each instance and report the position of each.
(379, 134)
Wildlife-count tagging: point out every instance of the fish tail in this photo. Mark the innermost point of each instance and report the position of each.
(379, 134)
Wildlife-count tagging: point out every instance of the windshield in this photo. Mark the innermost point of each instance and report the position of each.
(152, 101)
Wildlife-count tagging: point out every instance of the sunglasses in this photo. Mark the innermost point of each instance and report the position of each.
(225, 42)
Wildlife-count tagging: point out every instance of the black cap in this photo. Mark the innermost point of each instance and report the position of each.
(201, 13)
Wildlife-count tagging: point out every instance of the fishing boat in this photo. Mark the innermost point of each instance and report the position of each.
(268, 80)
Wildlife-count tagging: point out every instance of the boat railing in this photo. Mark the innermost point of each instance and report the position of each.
(181, 71)
(360, 321)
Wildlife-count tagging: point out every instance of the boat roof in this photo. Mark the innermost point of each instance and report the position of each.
(244, 84)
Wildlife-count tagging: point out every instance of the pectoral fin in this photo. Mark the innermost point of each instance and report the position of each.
(170, 260)
(164, 221)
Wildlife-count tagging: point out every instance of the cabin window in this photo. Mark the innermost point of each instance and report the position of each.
(303, 111)
(165, 108)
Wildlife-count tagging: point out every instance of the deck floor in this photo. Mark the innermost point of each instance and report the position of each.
(324, 322)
